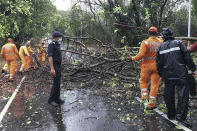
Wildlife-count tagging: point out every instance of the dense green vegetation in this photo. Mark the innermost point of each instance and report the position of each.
(121, 22)
(25, 19)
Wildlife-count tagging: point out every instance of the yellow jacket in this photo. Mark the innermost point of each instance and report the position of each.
(41, 50)
(23, 51)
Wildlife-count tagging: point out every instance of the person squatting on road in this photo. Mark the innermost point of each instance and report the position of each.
(55, 60)
(10, 53)
(23, 53)
(172, 60)
(147, 53)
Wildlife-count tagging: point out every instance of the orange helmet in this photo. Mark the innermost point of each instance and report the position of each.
(153, 29)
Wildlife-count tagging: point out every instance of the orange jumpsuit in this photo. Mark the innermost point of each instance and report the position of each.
(41, 54)
(148, 69)
(23, 52)
(10, 53)
(29, 58)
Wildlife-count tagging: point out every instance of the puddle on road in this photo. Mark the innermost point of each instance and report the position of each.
(82, 111)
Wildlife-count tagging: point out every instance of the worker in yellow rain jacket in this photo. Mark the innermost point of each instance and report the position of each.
(23, 52)
(10, 53)
(41, 53)
(148, 67)
(29, 58)
(5, 67)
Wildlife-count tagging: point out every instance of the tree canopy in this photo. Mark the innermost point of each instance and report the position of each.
(119, 22)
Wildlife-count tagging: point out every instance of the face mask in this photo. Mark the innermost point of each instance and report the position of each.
(59, 40)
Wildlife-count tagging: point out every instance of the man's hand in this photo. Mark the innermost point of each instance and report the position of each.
(131, 58)
(194, 74)
(53, 73)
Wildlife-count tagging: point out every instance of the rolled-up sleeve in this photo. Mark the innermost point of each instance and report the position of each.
(50, 50)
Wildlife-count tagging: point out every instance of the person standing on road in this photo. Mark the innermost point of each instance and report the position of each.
(147, 52)
(172, 60)
(30, 60)
(55, 60)
(41, 53)
(5, 67)
(10, 53)
(23, 53)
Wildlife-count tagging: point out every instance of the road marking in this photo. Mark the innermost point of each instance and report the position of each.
(173, 121)
(3, 112)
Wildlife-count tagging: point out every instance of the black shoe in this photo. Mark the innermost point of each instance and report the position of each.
(2, 71)
(60, 102)
(185, 123)
(171, 117)
(53, 103)
(152, 108)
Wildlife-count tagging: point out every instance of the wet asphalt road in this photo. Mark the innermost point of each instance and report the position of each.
(82, 111)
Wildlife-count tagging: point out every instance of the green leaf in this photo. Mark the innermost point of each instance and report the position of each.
(178, 127)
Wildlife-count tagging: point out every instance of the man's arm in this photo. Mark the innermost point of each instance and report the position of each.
(2, 52)
(50, 57)
(159, 63)
(192, 47)
(141, 53)
(16, 51)
(51, 66)
(26, 51)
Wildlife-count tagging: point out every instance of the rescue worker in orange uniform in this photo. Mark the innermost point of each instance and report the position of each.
(5, 67)
(148, 67)
(23, 52)
(10, 53)
(41, 53)
(29, 58)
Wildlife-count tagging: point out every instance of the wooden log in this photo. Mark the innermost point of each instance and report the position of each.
(186, 38)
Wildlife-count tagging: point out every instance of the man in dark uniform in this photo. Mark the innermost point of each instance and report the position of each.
(172, 61)
(55, 59)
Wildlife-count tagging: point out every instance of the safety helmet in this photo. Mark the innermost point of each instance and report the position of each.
(153, 29)
(57, 34)
(166, 33)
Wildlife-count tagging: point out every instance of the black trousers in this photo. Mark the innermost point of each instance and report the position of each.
(183, 98)
(55, 91)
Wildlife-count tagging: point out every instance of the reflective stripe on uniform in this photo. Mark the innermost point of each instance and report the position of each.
(144, 89)
(149, 58)
(144, 94)
(152, 101)
(9, 54)
(169, 50)
(152, 97)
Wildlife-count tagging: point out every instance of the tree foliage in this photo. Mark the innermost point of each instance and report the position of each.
(127, 21)
(120, 22)
(24, 19)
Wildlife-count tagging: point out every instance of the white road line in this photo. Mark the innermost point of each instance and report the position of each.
(173, 121)
(3, 112)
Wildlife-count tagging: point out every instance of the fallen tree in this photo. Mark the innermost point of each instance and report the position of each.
(103, 62)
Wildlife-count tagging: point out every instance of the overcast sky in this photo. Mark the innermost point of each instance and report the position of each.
(63, 4)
